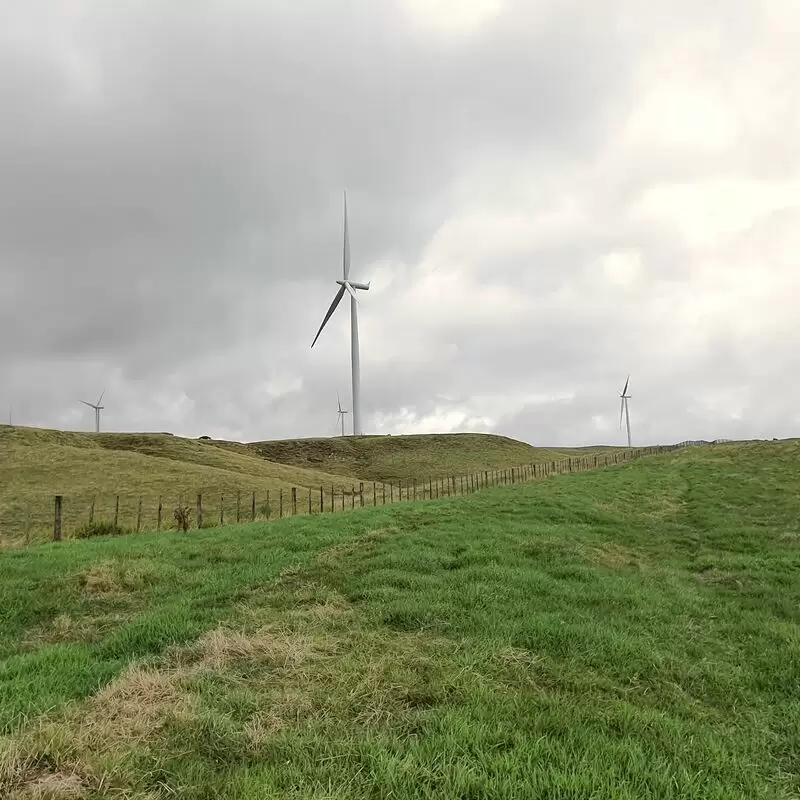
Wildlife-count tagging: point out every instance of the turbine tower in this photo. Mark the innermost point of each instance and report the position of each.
(341, 412)
(623, 409)
(97, 408)
(346, 285)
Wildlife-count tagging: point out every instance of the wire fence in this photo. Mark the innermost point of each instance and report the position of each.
(126, 513)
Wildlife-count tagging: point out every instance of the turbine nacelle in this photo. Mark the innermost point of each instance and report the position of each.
(354, 285)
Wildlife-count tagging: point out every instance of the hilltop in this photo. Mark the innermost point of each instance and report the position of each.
(404, 458)
(631, 632)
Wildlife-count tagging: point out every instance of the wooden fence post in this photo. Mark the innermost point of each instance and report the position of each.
(139, 516)
(253, 508)
(353, 497)
(91, 512)
(485, 478)
(333, 498)
(280, 503)
(342, 499)
(309, 502)
(269, 507)
(116, 512)
(27, 524)
(321, 500)
(374, 494)
(391, 493)
(384, 494)
(294, 501)
(361, 493)
(199, 512)
(57, 520)
(158, 523)
(221, 510)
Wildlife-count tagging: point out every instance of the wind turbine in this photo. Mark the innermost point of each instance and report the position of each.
(341, 412)
(97, 407)
(346, 285)
(623, 409)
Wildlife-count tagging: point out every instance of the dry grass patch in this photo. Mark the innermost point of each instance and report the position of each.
(108, 577)
(64, 628)
(220, 648)
(363, 542)
(133, 707)
(614, 556)
(52, 786)
(516, 657)
(721, 578)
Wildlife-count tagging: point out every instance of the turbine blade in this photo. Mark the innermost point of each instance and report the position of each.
(346, 248)
(626, 384)
(338, 402)
(100, 400)
(351, 290)
(86, 403)
(336, 301)
(621, 410)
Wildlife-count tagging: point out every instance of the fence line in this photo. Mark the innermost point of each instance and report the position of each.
(325, 500)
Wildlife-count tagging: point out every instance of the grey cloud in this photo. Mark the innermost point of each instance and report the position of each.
(174, 227)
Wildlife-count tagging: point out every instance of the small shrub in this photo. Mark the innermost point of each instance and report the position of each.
(265, 510)
(183, 517)
(90, 529)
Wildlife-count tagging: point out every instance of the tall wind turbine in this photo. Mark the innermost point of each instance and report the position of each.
(97, 408)
(623, 409)
(341, 412)
(346, 285)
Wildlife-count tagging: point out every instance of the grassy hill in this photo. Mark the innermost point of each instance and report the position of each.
(36, 464)
(626, 633)
(403, 458)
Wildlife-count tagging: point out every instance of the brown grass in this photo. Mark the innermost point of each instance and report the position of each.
(52, 786)
(107, 577)
(614, 556)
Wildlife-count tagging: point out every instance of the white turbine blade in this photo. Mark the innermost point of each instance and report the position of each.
(346, 248)
(624, 391)
(100, 399)
(91, 405)
(621, 411)
(338, 402)
(351, 290)
(336, 301)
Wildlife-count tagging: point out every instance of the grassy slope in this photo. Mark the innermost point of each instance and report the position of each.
(395, 458)
(37, 464)
(626, 633)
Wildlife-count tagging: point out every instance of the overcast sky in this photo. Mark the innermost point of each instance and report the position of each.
(546, 195)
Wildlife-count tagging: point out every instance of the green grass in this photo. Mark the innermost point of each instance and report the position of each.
(624, 633)
(407, 458)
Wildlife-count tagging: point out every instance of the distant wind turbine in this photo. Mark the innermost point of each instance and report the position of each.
(97, 408)
(623, 409)
(346, 285)
(341, 412)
